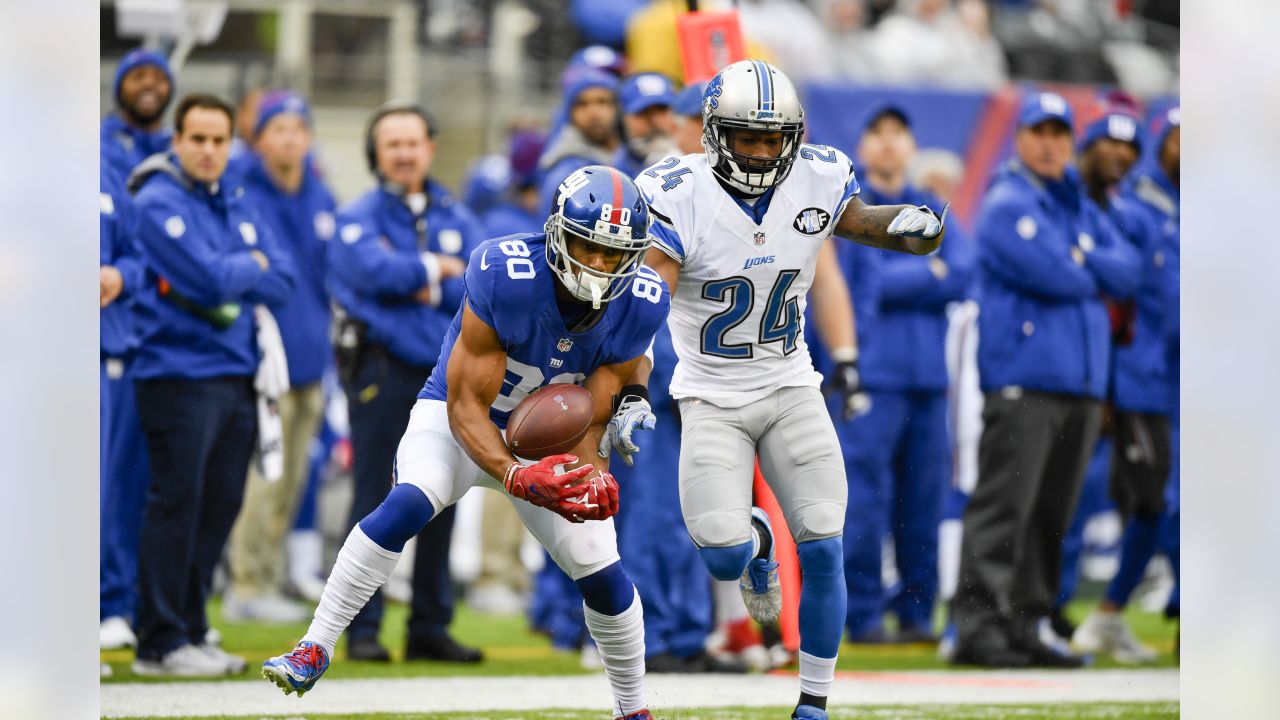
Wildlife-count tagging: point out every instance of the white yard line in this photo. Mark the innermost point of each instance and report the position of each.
(260, 698)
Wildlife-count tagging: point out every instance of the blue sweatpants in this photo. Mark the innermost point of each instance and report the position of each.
(125, 476)
(898, 462)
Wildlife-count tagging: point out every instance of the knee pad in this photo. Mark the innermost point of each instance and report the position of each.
(726, 563)
(822, 557)
(818, 521)
(608, 591)
(401, 516)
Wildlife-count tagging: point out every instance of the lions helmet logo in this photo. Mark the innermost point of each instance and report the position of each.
(714, 89)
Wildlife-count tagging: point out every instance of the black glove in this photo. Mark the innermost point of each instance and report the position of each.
(846, 380)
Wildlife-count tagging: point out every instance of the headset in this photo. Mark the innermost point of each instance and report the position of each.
(392, 108)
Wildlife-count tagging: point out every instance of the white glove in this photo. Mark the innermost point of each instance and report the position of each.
(918, 222)
(632, 412)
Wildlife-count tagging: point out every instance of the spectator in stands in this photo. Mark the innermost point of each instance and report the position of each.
(648, 122)
(850, 40)
(688, 112)
(898, 452)
(589, 137)
(142, 90)
(210, 260)
(1045, 252)
(396, 273)
(792, 35)
(1145, 382)
(292, 202)
(927, 42)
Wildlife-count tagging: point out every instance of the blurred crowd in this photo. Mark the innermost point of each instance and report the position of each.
(263, 344)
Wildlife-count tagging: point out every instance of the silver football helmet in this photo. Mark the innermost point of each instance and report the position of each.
(751, 95)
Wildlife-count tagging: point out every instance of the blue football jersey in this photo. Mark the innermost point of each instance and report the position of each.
(509, 286)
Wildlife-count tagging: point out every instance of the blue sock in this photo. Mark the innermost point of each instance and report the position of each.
(401, 516)
(608, 591)
(1136, 549)
(726, 563)
(822, 596)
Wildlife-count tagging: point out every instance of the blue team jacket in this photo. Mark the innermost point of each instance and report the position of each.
(198, 240)
(903, 346)
(375, 267)
(1042, 325)
(303, 225)
(117, 225)
(123, 147)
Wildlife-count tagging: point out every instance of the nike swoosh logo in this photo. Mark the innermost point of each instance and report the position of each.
(483, 258)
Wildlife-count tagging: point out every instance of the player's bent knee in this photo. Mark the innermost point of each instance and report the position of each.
(726, 563)
(607, 591)
(821, 557)
(719, 528)
(401, 516)
(819, 521)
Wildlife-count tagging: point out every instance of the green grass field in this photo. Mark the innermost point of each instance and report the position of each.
(1084, 711)
(511, 649)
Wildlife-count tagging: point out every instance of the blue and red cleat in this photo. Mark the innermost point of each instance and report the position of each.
(637, 715)
(299, 670)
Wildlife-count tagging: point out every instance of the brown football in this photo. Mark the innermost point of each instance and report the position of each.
(550, 421)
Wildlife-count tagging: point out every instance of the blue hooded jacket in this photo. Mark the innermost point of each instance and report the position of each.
(903, 344)
(196, 240)
(376, 267)
(1042, 326)
(117, 225)
(124, 147)
(303, 224)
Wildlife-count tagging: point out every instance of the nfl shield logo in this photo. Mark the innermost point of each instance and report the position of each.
(759, 237)
(564, 345)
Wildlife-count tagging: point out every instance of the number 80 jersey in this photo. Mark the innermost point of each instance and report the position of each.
(510, 288)
(737, 316)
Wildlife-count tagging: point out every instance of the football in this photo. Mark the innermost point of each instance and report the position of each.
(550, 421)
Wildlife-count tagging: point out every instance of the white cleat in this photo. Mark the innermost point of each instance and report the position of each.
(761, 590)
(1109, 633)
(114, 633)
(184, 661)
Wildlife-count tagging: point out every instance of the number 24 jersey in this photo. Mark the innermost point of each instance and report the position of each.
(737, 316)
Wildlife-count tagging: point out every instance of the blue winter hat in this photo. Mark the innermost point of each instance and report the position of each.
(689, 101)
(1165, 122)
(1041, 106)
(645, 90)
(1115, 125)
(599, 57)
(878, 110)
(141, 57)
(586, 79)
(279, 102)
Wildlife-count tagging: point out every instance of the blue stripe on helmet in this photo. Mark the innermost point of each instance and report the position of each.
(766, 85)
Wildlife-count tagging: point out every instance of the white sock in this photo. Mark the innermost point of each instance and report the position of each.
(620, 640)
(728, 601)
(362, 567)
(816, 674)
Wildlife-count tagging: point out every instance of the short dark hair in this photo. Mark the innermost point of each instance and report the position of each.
(202, 100)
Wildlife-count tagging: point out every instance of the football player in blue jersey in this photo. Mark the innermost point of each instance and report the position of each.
(571, 304)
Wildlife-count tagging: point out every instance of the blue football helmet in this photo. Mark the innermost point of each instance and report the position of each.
(600, 205)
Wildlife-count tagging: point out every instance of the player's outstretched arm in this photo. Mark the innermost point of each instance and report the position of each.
(901, 228)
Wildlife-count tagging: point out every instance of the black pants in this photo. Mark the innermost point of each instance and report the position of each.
(1140, 464)
(1031, 464)
(379, 398)
(200, 437)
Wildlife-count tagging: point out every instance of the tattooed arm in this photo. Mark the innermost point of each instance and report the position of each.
(902, 228)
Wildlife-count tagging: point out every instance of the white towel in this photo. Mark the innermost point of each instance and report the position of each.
(271, 383)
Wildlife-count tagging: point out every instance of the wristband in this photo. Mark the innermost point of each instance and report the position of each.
(639, 391)
(845, 354)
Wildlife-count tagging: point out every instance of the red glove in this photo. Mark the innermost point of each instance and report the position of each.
(563, 494)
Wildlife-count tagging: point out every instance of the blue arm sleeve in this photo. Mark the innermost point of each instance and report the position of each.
(196, 268)
(277, 284)
(1115, 262)
(453, 289)
(361, 262)
(1029, 265)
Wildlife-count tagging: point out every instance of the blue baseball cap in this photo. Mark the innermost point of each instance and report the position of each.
(689, 101)
(879, 109)
(1040, 107)
(599, 57)
(1164, 122)
(1115, 125)
(645, 90)
(141, 57)
(279, 102)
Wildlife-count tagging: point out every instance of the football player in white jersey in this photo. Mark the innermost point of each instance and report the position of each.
(738, 233)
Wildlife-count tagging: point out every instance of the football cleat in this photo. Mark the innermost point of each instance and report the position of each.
(761, 590)
(809, 712)
(637, 715)
(299, 670)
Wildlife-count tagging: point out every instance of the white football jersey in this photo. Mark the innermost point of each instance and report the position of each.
(737, 316)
